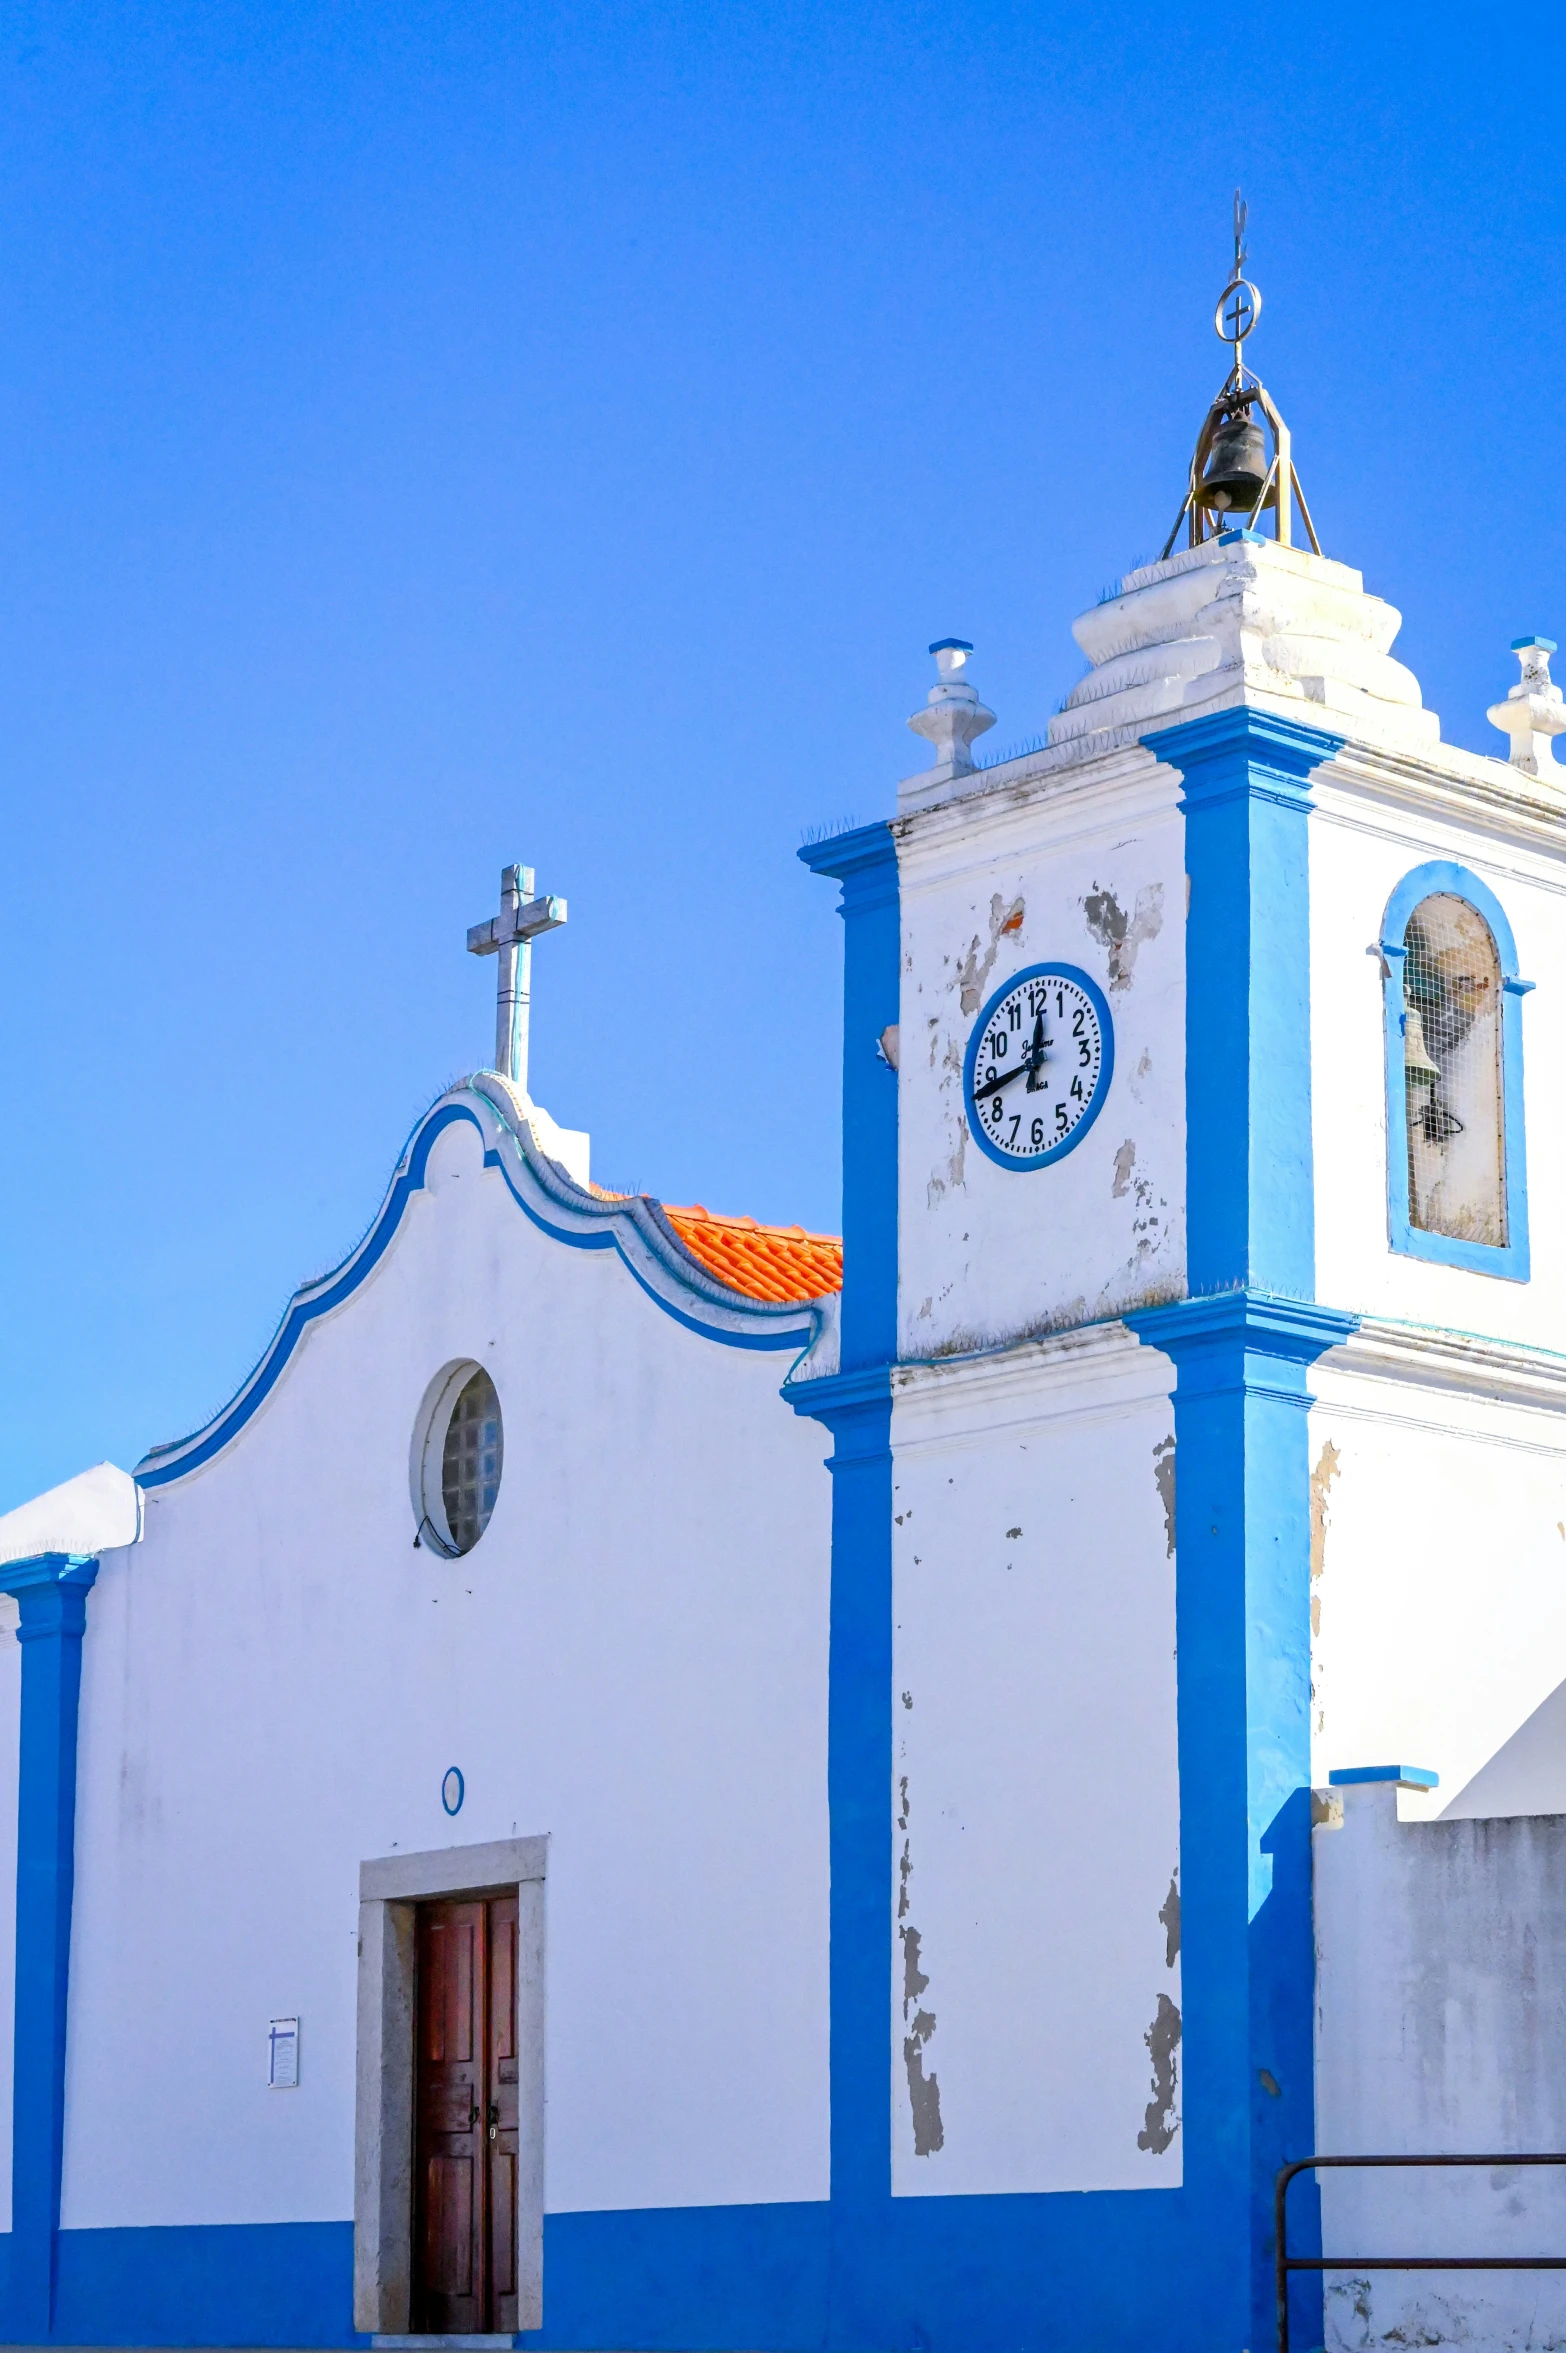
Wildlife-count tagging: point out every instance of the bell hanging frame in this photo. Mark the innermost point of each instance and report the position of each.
(1281, 486)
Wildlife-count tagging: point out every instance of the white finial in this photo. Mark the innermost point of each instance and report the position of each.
(510, 936)
(953, 714)
(1534, 712)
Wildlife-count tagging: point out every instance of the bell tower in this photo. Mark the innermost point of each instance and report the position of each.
(1127, 1016)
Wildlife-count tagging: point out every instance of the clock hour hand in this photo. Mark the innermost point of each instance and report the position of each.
(1026, 1067)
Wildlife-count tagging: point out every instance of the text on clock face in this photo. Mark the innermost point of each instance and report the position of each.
(1038, 1065)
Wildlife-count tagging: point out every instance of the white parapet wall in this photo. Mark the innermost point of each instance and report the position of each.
(1440, 2028)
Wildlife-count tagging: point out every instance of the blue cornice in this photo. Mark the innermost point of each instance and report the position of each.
(45, 1569)
(550, 1198)
(1264, 1322)
(837, 1394)
(1244, 753)
(864, 861)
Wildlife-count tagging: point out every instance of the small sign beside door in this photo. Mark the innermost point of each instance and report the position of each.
(283, 2055)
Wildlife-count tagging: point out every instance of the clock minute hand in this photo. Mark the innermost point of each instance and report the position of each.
(1026, 1068)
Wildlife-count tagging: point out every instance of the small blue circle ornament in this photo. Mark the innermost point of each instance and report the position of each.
(1038, 1065)
(453, 1790)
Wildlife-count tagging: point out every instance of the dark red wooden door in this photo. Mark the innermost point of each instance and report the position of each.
(502, 2128)
(465, 2124)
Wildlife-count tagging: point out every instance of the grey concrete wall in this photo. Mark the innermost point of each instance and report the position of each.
(1441, 2027)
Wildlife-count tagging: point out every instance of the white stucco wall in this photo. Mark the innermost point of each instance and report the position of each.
(1441, 2026)
(1438, 1593)
(1371, 825)
(632, 1660)
(1036, 1771)
(1029, 873)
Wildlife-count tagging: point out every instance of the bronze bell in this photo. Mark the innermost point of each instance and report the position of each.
(1236, 466)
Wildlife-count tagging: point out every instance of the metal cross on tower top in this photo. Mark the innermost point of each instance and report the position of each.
(1239, 305)
(510, 936)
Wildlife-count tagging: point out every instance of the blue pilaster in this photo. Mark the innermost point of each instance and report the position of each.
(1250, 1193)
(856, 1407)
(1242, 1344)
(51, 1591)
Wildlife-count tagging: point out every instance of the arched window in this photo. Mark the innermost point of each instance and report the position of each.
(1454, 1075)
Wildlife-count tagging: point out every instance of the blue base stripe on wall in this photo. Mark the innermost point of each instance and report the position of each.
(941, 2275)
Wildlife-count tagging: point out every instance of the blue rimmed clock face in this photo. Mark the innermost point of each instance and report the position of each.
(1038, 1065)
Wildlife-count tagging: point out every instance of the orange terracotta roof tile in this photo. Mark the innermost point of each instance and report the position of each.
(777, 1263)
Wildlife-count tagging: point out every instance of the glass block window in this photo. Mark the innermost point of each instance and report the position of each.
(471, 1461)
(1452, 1073)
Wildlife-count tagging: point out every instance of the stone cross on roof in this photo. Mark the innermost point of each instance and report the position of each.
(510, 936)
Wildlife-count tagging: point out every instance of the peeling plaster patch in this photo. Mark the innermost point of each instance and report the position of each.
(1122, 935)
(976, 970)
(1170, 1916)
(1163, 2040)
(908, 1699)
(1164, 1481)
(1269, 2083)
(1012, 1533)
(924, 2091)
(1321, 1478)
(1142, 1072)
(1125, 1162)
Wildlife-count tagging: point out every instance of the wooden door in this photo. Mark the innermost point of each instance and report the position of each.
(502, 2114)
(465, 2120)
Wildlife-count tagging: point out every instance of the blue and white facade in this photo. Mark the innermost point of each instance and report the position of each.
(927, 1954)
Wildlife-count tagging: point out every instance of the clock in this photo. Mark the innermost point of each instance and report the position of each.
(1038, 1065)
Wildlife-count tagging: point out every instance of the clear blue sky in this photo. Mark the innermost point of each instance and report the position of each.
(434, 435)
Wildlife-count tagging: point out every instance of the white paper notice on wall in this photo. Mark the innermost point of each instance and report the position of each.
(283, 2055)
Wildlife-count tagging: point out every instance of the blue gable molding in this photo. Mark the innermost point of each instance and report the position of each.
(51, 1594)
(549, 1197)
(1511, 1260)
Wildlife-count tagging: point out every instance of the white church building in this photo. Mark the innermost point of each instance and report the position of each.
(871, 1797)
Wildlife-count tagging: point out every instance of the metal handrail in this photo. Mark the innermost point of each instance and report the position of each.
(1287, 2262)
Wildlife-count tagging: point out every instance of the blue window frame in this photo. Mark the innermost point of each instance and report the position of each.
(1508, 1259)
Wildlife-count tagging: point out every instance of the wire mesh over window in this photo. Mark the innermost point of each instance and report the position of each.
(471, 1461)
(1452, 1073)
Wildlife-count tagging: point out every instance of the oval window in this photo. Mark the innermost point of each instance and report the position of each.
(459, 1452)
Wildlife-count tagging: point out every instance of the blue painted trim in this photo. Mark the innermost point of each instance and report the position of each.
(1241, 1346)
(865, 863)
(1510, 1261)
(1035, 2274)
(1106, 1070)
(278, 2283)
(1406, 1776)
(1246, 792)
(585, 1223)
(51, 1594)
(856, 1405)
(1242, 1638)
